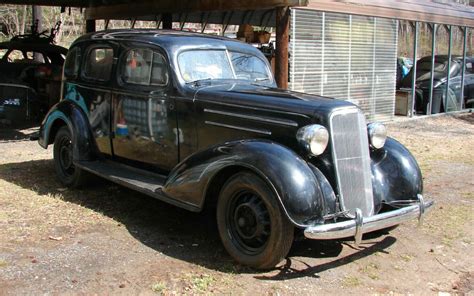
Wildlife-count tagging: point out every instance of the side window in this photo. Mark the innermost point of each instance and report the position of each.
(3, 51)
(469, 67)
(98, 64)
(16, 56)
(71, 66)
(144, 67)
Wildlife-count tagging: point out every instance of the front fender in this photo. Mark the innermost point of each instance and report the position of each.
(69, 113)
(290, 177)
(396, 175)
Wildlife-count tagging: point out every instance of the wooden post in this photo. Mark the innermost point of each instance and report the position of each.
(167, 20)
(282, 43)
(37, 16)
(90, 26)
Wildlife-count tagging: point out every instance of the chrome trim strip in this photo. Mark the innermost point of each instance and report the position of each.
(262, 119)
(17, 85)
(259, 131)
(355, 228)
(213, 102)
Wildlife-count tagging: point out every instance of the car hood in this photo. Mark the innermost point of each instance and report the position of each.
(426, 76)
(423, 77)
(269, 98)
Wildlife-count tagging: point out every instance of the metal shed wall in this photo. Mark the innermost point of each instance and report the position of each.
(346, 57)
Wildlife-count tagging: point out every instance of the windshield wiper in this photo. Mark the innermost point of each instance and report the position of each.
(261, 79)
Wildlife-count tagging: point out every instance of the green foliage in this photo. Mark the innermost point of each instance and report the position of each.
(17, 20)
(405, 40)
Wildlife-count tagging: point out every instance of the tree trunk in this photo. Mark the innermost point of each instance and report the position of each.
(23, 20)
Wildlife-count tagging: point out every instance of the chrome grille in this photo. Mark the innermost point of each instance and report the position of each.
(350, 149)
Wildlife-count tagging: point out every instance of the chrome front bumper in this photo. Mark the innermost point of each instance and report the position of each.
(360, 225)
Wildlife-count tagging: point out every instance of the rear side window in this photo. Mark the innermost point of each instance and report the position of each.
(469, 67)
(98, 63)
(71, 66)
(3, 51)
(144, 67)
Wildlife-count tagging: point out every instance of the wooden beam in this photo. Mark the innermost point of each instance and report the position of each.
(148, 7)
(37, 16)
(282, 43)
(63, 3)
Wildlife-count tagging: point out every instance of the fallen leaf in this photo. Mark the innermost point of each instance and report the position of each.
(56, 238)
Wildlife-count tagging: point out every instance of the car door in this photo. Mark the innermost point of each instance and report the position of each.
(144, 118)
(94, 91)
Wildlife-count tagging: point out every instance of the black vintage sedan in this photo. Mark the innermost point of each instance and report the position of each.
(439, 101)
(196, 121)
(30, 77)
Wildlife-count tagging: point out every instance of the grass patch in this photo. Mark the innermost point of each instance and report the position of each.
(202, 282)
(371, 270)
(3, 263)
(468, 195)
(159, 287)
(406, 257)
(351, 281)
(448, 222)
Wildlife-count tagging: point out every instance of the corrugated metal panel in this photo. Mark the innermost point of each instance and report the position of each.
(346, 57)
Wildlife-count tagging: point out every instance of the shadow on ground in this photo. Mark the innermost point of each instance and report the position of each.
(192, 237)
(467, 118)
(17, 132)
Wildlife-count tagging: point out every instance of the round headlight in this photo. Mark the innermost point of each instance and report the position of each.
(314, 138)
(377, 135)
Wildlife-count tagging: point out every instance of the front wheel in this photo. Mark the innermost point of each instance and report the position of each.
(68, 174)
(252, 226)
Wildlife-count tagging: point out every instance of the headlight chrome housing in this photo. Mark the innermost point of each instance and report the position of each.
(314, 138)
(377, 135)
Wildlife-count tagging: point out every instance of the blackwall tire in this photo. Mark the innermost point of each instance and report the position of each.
(67, 173)
(252, 226)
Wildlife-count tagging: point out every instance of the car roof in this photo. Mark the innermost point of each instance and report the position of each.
(141, 34)
(170, 39)
(35, 46)
(442, 58)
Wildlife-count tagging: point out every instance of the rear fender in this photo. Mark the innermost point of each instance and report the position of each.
(293, 181)
(70, 114)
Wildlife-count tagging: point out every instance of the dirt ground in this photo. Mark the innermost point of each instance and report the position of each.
(106, 239)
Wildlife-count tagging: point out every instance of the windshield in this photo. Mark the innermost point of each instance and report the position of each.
(426, 66)
(217, 64)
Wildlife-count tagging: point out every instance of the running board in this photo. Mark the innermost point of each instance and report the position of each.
(136, 179)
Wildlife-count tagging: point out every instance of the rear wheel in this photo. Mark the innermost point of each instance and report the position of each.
(252, 226)
(68, 174)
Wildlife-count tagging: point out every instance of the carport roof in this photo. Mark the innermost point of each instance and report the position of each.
(433, 11)
(430, 11)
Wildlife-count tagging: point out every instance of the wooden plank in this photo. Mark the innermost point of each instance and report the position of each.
(426, 6)
(404, 10)
(282, 42)
(147, 7)
(68, 3)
